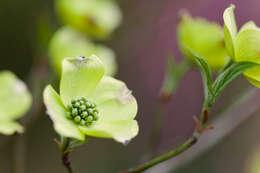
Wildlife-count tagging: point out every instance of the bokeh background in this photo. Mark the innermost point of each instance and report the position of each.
(147, 34)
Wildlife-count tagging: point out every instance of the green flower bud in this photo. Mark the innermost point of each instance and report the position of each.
(74, 112)
(82, 102)
(77, 104)
(68, 42)
(77, 119)
(96, 115)
(97, 18)
(82, 122)
(84, 99)
(84, 114)
(89, 119)
(82, 107)
(90, 111)
(205, 38)
(88, 104)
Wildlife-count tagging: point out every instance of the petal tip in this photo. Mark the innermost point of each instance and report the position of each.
(125, 95)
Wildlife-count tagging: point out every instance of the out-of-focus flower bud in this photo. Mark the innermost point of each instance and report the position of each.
(67, 42)
(96, 18)
(205, 38)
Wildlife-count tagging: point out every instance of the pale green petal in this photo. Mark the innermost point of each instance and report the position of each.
(108, 88)
(10, 127)
(57, 113)
(247, 49)
(117, 109)
(121, 131)
(249, 25)
(80, 77)
(97, 18)
(253, 76)
(247, 46)
(254, 81)
(230, 29)
(114, 100)
(68, 42)
(15, 99)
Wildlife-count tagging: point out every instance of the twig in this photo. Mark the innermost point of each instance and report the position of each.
(186, 145)
(223, 127)
(65, 147)
(66, 162)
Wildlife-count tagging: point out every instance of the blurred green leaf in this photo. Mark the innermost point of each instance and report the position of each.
(174, 72)
(206, 75)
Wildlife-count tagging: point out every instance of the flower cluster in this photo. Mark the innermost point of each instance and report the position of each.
(83, 111)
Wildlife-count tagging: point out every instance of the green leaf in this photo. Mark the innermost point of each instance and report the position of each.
(80, 76)
(58, 113)
(205, 73)
(15, 99)
(121, 131)
(229, 75)
(230, 29)
(10, 127)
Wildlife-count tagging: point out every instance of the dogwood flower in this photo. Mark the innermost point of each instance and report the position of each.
(90, 103)
(15, 100)
(243, 45)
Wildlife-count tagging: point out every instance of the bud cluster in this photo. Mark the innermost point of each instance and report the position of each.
(82, 111)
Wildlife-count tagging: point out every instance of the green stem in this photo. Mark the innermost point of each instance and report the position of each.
(175, 152)
(65, 149)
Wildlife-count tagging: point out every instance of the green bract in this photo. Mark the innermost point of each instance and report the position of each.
(67, 42)
(244, 44)
(83, 84)
(206, 38)
(15, 101)
(97, 18)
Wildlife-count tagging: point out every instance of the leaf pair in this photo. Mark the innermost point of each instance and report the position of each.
(213, 89)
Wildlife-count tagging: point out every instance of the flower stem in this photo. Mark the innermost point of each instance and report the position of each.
(66, 162)
(66, 149)
(186, 145)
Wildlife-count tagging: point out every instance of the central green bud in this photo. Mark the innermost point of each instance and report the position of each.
(82, 111)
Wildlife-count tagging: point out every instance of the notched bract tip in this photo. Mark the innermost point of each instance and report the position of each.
(125, 95)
